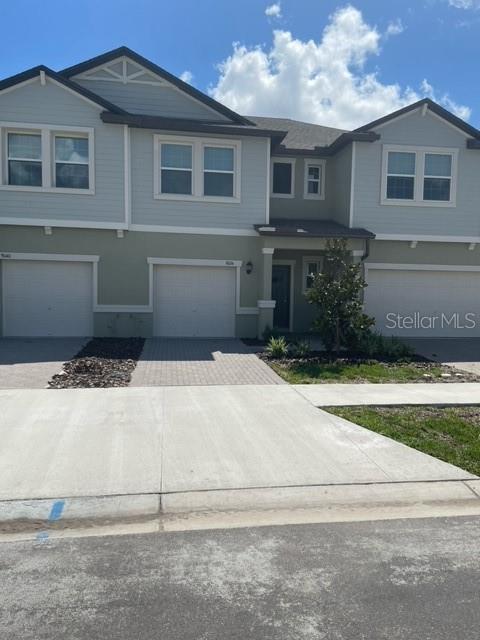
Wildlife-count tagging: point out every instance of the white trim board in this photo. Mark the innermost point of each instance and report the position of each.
(70, 224)
(419, 238)
(214, 231)
(352, 184)
(386, 266)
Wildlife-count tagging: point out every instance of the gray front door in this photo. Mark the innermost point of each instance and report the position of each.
(281, 294)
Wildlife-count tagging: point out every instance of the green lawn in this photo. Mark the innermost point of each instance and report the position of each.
(450, 434)
(318, 372)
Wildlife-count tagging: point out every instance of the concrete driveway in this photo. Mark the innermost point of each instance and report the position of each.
(29, 363)
(100, 442)
(463, 353)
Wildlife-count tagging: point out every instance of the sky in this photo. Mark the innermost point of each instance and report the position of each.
(336, 63)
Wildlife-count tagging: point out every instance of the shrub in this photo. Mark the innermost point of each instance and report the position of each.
(277, 347)
(301, 349)
(268, 333)
(374, 345)
(336, 293)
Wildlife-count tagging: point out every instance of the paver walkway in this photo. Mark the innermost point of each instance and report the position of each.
(439, 393)
(29, 363)
(186, 362)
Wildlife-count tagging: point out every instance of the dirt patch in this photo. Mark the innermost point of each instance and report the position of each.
(103, 362)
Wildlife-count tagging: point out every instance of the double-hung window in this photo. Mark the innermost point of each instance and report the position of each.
(218, 171)
(419, 176)
(49, 158)
(199, 169)
(283, 178)
(176, 169)
(71, 162)
(311, 268)
(24, 157)
(314, 188)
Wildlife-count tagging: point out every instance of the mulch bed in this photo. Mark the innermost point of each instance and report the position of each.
(425, 367)
(103, 362)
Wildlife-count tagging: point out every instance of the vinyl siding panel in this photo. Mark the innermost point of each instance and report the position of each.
(151, 100)
(427, 131)
(342, 171)
(147, 210)
(51, 104)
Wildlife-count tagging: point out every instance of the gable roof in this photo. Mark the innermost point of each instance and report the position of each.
(434, 107)
(34, 72)
(305, 138)
(162, 73)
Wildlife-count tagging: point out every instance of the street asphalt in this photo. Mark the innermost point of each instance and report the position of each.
(396, 580)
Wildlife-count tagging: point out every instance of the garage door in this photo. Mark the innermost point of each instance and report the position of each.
(47, 298)
(424, 303)
(194, 301)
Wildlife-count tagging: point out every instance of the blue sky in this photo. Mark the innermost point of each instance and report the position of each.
(403, 43)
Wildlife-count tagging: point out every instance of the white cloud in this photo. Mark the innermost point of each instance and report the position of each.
(460, 110)
(274, 10)
(465, 4)
(322, 81)
(394, 28)
(187, 76)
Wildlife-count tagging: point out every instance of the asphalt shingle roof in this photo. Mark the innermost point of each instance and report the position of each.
(301, 135)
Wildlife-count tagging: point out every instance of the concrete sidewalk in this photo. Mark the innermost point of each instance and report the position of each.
(338, 395)
(196, 447)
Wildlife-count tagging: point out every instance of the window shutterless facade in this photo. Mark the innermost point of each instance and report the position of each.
(419, 176)
(46, 158)
(311, 268)
(314, 182)
(196, 169)
(283, 178)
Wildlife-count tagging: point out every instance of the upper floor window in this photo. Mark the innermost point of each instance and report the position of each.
(24, 157)
(218, 171)
(419, 176)
(283, 178)
(176, 169)
(314, 187)
(71, 162)
(196, 169)
(46, 158)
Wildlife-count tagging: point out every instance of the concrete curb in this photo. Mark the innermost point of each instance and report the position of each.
(248, 507)
(349, 395)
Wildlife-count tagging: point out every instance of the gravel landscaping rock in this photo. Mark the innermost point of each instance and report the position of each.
(103, 362)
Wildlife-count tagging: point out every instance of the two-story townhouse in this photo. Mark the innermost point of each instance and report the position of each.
(133, 204)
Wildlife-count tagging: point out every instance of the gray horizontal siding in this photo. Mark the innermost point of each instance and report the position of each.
(150, 99)
(427, 131)
(336, 204)
(51, 104)
(146, 210)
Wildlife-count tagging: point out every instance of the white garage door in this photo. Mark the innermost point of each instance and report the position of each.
(424, 303)
(47, 298)
(194, 301)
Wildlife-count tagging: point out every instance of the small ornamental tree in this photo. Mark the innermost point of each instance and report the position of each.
(336, 293)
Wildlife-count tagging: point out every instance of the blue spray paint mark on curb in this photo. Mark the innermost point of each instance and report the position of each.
(55, 514)
(56, 510)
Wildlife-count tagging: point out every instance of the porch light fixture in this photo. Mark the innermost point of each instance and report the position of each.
(249, 267)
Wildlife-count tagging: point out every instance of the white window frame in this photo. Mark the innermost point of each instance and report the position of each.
(47, 132)
(291, 162)
(198, 145)
(305, 261)
(69, 134)
(161, 168)
(420, 153)
(321, 164)
(31, 132)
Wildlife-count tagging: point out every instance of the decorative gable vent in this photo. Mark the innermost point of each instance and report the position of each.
(125, 71)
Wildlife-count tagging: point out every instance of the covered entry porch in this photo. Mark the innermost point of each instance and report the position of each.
(293, 251)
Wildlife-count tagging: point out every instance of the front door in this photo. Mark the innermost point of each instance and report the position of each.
(281, 294)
